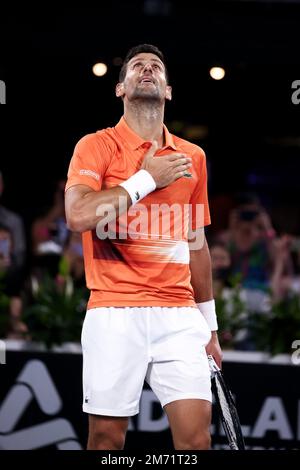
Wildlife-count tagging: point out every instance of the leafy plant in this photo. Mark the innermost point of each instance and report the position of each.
(57, 313)
(276, 332)
(231, 310)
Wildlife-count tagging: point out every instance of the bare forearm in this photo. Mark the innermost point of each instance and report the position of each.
(87, 211)
(201, 277)
(276, 282)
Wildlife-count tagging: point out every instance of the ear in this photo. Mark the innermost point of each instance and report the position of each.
(169, 93)
(120, 90)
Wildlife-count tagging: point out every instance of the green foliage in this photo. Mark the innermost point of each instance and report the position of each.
(272, 332)
(57, 313)
(275, 332)
(231, 314)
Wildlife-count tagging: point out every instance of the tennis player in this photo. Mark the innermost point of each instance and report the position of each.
(151, 313)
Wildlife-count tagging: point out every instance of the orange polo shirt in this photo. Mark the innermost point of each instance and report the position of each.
(145, 261)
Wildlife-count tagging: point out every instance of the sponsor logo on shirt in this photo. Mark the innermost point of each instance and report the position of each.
(90, 173)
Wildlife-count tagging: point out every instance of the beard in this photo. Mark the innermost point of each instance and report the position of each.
(146, 93)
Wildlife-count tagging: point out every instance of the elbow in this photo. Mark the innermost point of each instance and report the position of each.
(75, 222)
(78, 216)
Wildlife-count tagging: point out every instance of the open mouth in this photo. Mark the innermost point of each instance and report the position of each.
(146, 80)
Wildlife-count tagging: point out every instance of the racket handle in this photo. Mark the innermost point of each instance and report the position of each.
(212, 364)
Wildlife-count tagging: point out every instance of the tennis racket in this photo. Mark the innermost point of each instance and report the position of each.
(226, 407)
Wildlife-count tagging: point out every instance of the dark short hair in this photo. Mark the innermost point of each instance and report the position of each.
(138, 50)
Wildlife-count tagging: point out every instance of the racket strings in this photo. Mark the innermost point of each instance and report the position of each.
(226, 411)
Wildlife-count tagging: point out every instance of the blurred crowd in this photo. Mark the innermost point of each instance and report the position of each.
(253, 262)
(50, 252)
(251, 253)
(248, 254)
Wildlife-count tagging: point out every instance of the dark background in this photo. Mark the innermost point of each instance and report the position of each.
(252, 402)
(246, 123)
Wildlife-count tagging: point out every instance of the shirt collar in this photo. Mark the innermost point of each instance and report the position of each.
(135, 141)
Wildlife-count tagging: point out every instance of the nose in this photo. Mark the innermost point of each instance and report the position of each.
(148, 66)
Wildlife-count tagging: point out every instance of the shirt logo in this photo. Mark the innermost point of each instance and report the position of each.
(90, 173)
(137, 195)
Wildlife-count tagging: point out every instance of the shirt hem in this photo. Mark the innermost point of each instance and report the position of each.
(140, 303)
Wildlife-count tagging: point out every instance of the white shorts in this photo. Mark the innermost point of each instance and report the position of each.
(123, 346)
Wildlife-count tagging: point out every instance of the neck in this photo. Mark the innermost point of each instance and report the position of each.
(146, 120)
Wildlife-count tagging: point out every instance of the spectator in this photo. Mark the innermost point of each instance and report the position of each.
(73, 257)
(221, 262)
(14, 224)
(11, 283)
(285, 279)
(250, 241)
(49, 234)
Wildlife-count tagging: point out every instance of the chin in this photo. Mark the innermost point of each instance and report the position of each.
(146, 95)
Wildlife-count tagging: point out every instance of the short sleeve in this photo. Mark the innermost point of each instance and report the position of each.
(200, 215)
(88, 163)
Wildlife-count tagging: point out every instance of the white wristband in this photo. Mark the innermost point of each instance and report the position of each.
(208, 310)
(139, 185)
